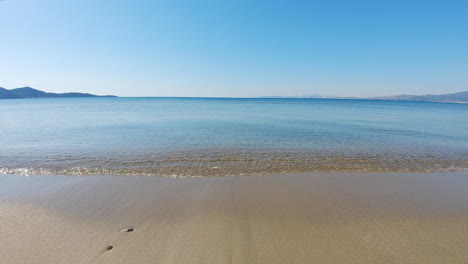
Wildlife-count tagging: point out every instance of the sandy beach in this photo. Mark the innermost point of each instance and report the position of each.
(301, 218)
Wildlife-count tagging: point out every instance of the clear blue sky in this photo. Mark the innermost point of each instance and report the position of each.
(235, 48)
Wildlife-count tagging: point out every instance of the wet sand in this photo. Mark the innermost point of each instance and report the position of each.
(302, 218)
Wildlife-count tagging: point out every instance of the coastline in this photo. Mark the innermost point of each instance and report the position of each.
(235, 162)
(298, 218)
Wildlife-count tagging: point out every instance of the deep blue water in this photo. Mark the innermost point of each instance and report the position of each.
(143, 135)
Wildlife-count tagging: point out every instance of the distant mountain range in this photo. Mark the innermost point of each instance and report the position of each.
(461, 97)
(28, 92)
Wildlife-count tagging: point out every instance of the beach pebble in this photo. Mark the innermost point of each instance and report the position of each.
(127, 230)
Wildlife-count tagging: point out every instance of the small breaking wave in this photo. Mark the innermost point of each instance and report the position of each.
(234, 164)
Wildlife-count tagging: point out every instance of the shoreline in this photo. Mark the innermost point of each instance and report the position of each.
(32, 172)
(217, 162)
(332, 217)
(186, 165)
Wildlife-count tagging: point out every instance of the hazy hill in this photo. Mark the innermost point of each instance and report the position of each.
(7, 94)
(28, 92)
(461, 97)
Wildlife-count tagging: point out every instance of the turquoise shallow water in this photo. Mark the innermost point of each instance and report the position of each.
(216, 137)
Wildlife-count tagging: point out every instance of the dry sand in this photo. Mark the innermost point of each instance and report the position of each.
(306, 218)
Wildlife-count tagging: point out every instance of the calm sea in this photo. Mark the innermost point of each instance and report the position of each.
(217, 137)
